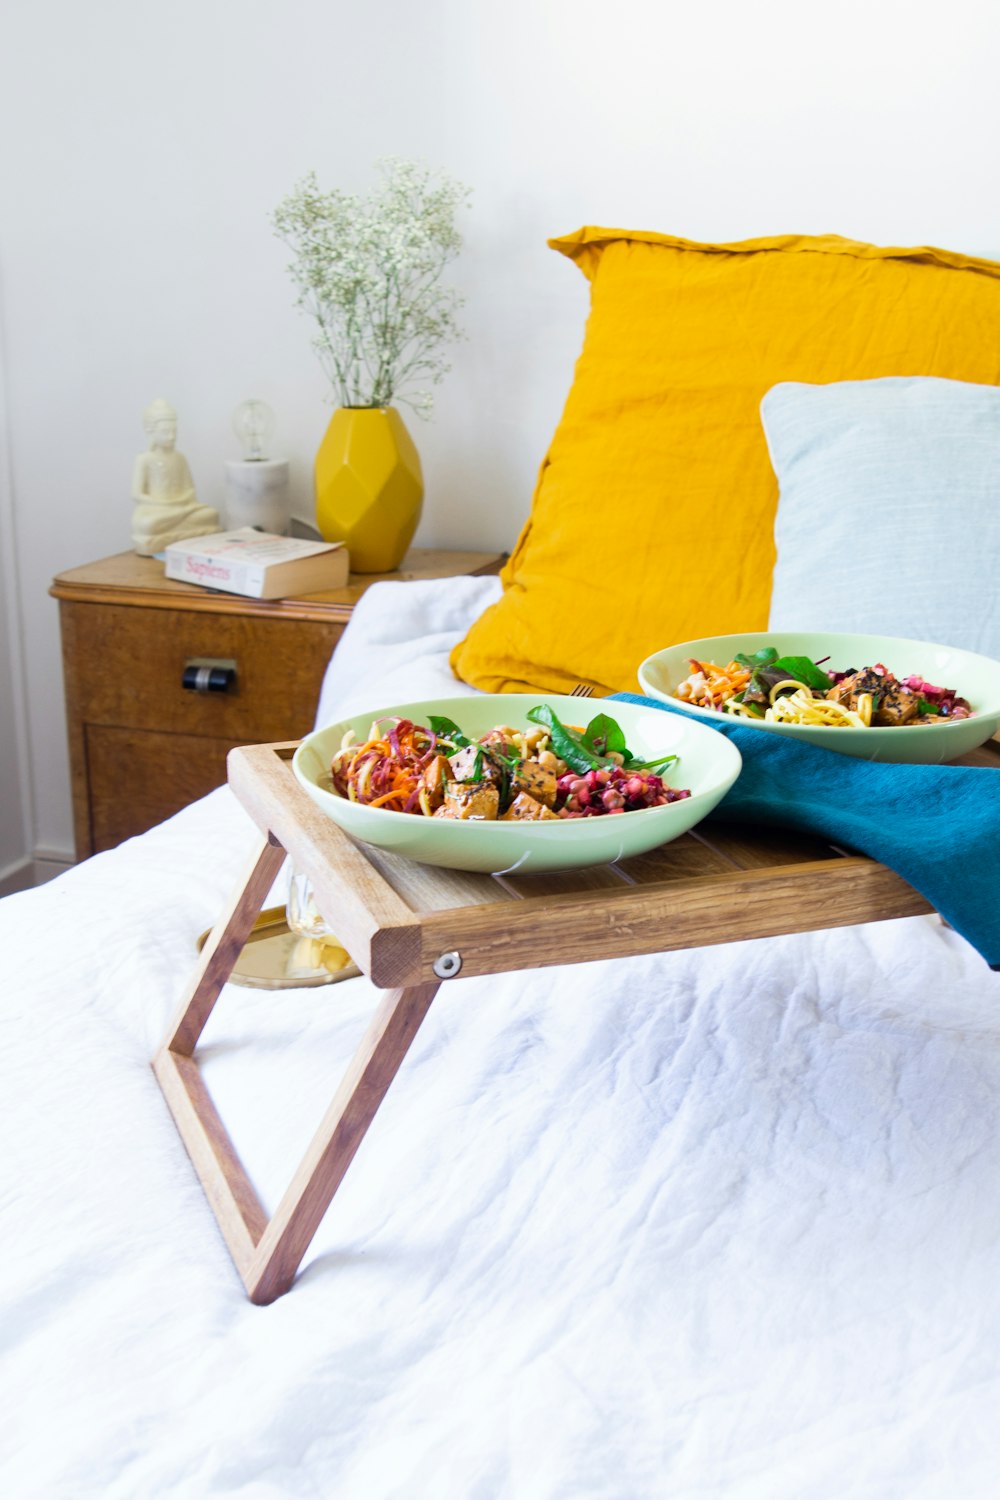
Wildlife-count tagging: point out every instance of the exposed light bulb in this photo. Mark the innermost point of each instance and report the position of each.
(256, 485)
(253, 423)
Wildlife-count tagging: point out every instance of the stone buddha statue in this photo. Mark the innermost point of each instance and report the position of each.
(166, 507)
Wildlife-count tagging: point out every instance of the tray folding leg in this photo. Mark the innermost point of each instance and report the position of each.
(267, 1253)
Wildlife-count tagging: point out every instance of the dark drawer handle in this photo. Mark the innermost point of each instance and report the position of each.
(207, 675)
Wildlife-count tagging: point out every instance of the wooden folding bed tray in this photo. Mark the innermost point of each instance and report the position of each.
(411, 927)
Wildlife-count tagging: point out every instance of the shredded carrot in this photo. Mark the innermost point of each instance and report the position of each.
(710, 685)
(395, 760)
(397, 793)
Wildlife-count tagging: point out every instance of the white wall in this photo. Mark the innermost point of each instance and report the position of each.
(15, 807)
(15, 810)
(146, 145)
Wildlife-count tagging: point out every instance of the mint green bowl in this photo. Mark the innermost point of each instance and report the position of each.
(977, 678)
(708, 765)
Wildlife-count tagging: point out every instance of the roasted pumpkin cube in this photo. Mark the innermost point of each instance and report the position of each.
(473, 801)
(526, 809)
(434, 780)
(538, 782)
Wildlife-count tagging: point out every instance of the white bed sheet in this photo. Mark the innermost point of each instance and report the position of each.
(716, 1223)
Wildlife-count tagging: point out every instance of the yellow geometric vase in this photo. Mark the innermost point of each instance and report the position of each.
(369, 486)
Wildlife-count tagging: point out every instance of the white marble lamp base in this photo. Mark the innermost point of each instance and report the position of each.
(257, 494)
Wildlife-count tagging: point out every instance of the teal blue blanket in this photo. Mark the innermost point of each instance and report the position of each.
(936, 826)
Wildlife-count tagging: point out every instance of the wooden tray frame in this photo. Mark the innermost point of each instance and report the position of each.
(410, 927)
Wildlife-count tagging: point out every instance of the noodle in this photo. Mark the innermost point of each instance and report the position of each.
(788, 682)
(801, 707)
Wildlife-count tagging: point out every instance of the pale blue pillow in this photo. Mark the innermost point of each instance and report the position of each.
(888, 517)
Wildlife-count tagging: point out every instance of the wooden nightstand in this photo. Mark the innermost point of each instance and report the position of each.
(141, 745)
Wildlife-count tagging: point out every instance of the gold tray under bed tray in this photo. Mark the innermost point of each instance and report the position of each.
(410, 927)
(276, 958)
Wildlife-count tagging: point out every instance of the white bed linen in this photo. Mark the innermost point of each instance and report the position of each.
(716, 1223)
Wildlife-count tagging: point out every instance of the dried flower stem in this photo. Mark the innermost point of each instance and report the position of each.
(370, 273)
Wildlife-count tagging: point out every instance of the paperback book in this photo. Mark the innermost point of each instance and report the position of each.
(258, 564)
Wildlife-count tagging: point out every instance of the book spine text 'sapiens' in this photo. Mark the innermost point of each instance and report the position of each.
(204, 571)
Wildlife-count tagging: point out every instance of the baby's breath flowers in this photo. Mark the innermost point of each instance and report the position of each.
(369, 271)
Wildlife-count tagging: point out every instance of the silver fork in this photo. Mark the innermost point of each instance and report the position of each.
(581, 691)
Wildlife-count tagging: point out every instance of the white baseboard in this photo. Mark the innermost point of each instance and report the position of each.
(53, 855)
(17, 877)
(28, 873)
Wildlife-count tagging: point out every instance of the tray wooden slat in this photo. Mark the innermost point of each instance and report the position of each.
(655, 918)
(424, 888)
(686, 857)
(756, 848)
(987, 755)
(565, 882)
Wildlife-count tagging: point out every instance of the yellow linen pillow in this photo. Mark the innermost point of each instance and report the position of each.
(652, 519)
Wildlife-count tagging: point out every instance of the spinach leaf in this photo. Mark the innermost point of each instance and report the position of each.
(592, 749)
(767, 675)
(762, 658)
(568, 744)
(651, 765)
(803, 670)
(604, 734)
(447, 729)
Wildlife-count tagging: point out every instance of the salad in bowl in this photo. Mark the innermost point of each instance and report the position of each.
(851, 693)
(505, 782)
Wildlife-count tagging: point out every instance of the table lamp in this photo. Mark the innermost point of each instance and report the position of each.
(256, 485)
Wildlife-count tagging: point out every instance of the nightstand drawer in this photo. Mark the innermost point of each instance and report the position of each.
(138, 778)
(131, 666)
